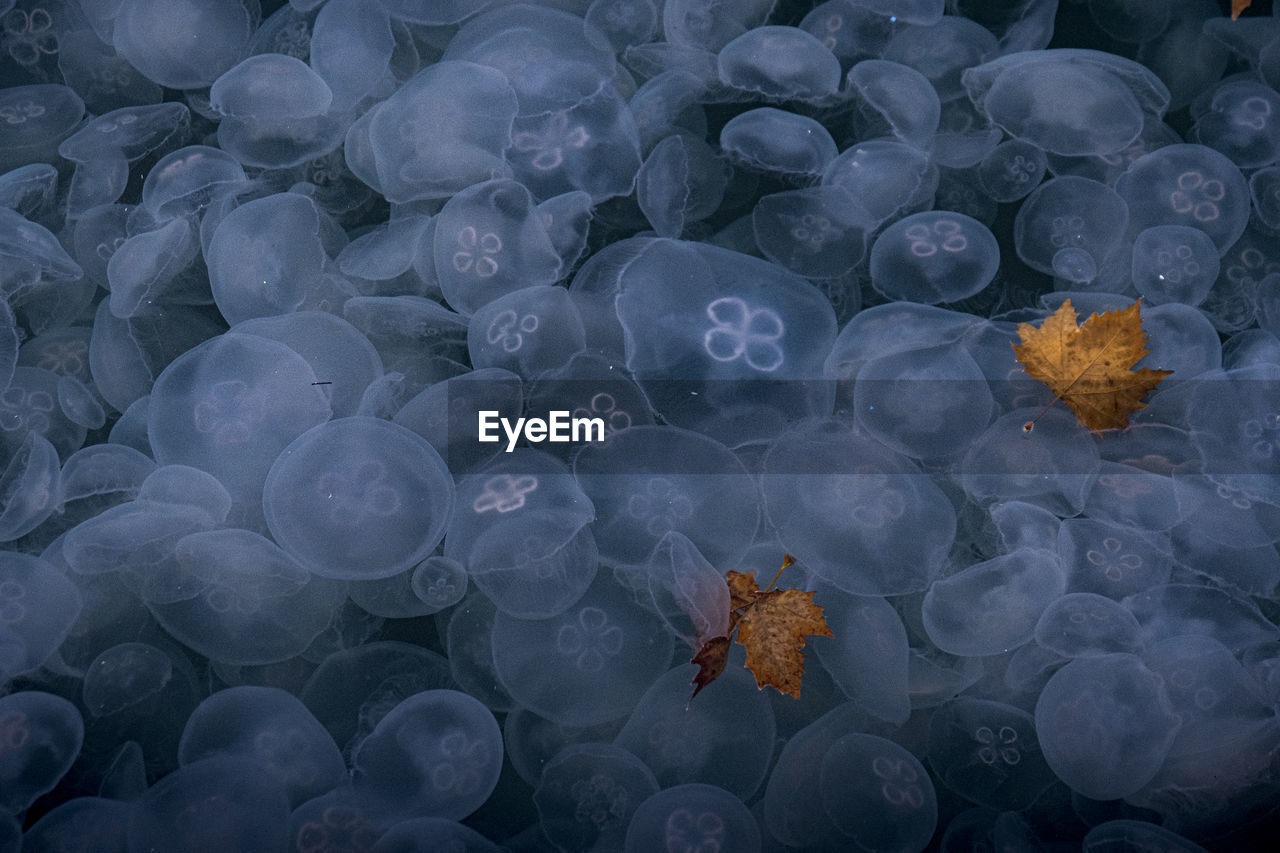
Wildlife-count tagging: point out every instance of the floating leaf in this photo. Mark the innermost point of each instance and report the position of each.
(772, 624)
(1090, 367)
(1238, 6)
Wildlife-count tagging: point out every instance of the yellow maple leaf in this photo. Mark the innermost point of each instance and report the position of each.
(772, 624)
(1089, 367)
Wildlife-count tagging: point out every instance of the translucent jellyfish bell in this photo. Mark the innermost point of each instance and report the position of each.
(489, 241)
(877, 794)
(589, 664)
(988, 753)
(1069, 213)
(1243, 122)
(1105, 724)
(932, 257)
(280, 126)
(681, 181)
(900, 96)
(692, 816)
(363, 474)
(41, 736)
(587, 794)
(841, 502)
(719, 738)
(960, 611)
(271, 726)
(1190, 185)
(436, 754)
(779, 62)
(772, 140)
(521, 530)
(442, 131)
(1174, 263)
(187, 55)
(1071, 102)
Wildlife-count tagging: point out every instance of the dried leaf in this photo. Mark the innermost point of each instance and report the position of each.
(1238, 6)
(1090, 367)
(772, 624)
(711, 660)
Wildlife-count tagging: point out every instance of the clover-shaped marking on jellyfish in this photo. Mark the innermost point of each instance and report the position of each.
(1123, 486)
(1067, 231)
(508, 329)
(599, 800)
(1197, 196)
(504, 493)
(813, 231)
(461, 758)
(225, 598)
(661, 506)
(899, 781)
(591, 640)
(870, 501)
(1001, 745)
(1252, 113)
(23, 411)
(279, 752)
(29, 36)
(1111, 559)
(339, 828)
(831, 24)
(476, 252)
(65, 358)
(293, 39)
(19, 111)
(230, 413)
(925, 240)
(359, 493)
(1236, 497)
(740, 331)
(551, 141)
(14, 732)
(604, 405)
(1021, 169)
(12, 608)
(1264, 435)
(439, 590)
(688, 831)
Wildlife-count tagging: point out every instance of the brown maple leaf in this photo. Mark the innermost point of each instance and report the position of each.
(1089, 367)
(772, 624)
(1238, 6)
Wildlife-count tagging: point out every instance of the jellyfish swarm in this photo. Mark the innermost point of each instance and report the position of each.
(263, 265)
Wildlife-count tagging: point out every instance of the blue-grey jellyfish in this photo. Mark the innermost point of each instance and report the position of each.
(1105, 725)
(587, 665)
(412, 158)
(587, 793)
(1242, 122)
(960, 611)
(436, 754)
(778, 142)
(782, 63)
(206, 43)
(648, 481)
(899, 97)
(42, 735)
(271, 726)
(363, 474)
(988, 753)
(529, 331)
(1190, 185)
(932, 257)
(693, 816)
(847, 520)
(1069, 101)
(489, 241)
(521, 529)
